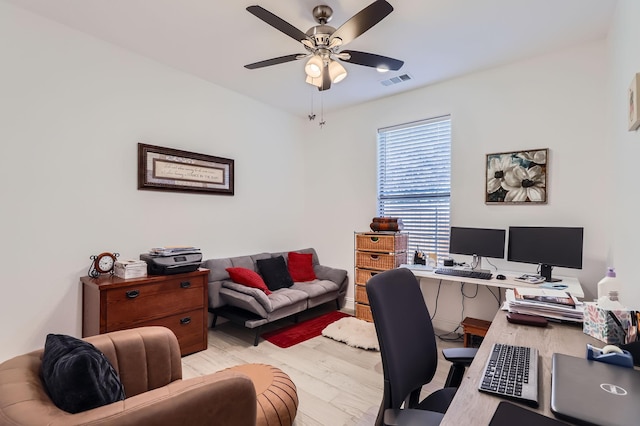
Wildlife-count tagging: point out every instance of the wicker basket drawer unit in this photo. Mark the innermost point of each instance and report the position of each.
(375, 252)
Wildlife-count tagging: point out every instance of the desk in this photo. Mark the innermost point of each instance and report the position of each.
(470, 404)
(572, 283)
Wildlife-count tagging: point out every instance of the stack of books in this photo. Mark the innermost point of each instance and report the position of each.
(128, 269)
(553, 304)
(173, 250)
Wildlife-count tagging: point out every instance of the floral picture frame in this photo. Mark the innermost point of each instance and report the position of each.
(518, 177)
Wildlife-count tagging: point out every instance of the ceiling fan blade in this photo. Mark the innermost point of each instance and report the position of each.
(274, 61)
(372, 60)
(362, 21)
(277, 22)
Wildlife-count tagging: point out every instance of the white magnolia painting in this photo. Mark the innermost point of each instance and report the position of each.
(517, 177)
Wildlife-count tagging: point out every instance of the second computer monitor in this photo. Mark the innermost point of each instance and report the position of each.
(477, 242)
(547, 246)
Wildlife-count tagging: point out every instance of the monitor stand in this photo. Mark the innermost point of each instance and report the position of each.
(545, 272)
(476, 264)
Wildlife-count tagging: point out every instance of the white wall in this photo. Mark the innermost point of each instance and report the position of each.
(557, 101)
(72, 112)
(624, 194)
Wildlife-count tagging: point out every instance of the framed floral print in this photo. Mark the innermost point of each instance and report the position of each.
(517, 177)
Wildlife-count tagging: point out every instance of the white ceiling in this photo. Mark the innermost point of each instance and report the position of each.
(437, 39)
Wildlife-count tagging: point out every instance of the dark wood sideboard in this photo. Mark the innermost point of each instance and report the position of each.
(178, 302)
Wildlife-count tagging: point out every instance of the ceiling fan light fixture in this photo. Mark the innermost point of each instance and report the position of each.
(314, 67)
(337, 72)
(314, 81)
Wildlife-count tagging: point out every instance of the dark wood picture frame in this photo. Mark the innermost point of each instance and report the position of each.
(168, 169)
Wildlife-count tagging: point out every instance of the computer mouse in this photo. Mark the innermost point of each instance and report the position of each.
(500, 277)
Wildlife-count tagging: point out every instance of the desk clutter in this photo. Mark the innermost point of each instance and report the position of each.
(549, 303)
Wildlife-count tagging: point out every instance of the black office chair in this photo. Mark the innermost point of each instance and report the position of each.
(409, 352)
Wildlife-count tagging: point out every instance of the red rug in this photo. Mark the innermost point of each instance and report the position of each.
(297, 333)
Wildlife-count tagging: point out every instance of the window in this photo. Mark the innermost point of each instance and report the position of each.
(414, 181)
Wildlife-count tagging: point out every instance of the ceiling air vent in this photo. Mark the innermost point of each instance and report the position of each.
(395, 80)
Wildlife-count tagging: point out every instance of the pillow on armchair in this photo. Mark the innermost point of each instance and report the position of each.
(77, 376)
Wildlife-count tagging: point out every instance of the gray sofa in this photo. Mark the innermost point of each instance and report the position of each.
(252, 308)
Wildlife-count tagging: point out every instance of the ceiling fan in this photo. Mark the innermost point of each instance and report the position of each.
(323, 43)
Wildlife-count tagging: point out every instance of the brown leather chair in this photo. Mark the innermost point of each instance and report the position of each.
(148, 362)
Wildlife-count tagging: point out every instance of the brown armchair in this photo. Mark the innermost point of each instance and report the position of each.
(148, 362)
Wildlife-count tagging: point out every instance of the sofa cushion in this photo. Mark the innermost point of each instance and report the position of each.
(316, 288)
(77, 376)
(300, 266)
(249, 278)
(275, 273)
(249, 298)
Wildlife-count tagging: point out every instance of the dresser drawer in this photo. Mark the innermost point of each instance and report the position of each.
(382, 242)
(144, 302)
(188, 329)
(380, 261)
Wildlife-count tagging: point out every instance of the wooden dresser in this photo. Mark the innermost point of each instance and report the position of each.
(178, 302)
(375, 252)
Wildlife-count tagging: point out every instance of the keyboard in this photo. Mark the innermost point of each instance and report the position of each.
(512, 372)
(466, 273)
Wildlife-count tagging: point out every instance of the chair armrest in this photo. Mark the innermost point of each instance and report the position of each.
(460, 355)
(225, 397)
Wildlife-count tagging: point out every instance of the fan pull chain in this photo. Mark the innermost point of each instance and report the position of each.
(322, 122)
(311, 116)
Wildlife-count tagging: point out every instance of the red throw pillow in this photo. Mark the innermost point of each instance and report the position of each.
(248, 277)
(301, 266)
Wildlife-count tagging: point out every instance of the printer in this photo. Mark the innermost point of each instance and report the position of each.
(172, 264)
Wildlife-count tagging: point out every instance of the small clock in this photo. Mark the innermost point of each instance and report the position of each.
(102, 264)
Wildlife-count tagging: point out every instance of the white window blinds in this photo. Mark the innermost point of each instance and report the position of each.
(414, 181)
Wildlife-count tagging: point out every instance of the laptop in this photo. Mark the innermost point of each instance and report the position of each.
(594, 393)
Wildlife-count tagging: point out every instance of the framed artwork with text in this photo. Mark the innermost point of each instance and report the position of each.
(167, 169)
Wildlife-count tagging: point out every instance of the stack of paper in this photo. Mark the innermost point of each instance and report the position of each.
(173, 250)
(554, 304)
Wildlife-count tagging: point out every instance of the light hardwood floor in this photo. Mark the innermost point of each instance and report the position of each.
(337, 384)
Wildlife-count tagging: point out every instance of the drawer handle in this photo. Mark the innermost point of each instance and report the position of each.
(132, 294)
(185, 320)
(185, 284)
(375, 239)
(375, 257)
(374, 273)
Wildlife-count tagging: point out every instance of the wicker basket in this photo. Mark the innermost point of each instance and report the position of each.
(361, 294)
(376, 241)
(380, 261)
(363, 312)
(364, 275)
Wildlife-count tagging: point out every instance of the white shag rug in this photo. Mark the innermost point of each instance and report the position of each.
(354, 332)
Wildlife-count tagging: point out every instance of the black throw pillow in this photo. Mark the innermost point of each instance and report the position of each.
(77, 376)
(275, 273)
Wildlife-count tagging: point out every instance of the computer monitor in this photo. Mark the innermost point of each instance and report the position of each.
(546, 246)
(477, 242)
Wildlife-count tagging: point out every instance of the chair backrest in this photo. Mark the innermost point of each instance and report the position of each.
(405, 333)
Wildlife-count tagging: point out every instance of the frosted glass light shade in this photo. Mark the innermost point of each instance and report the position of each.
(337, 72)
(315, 81)
(314, 67)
